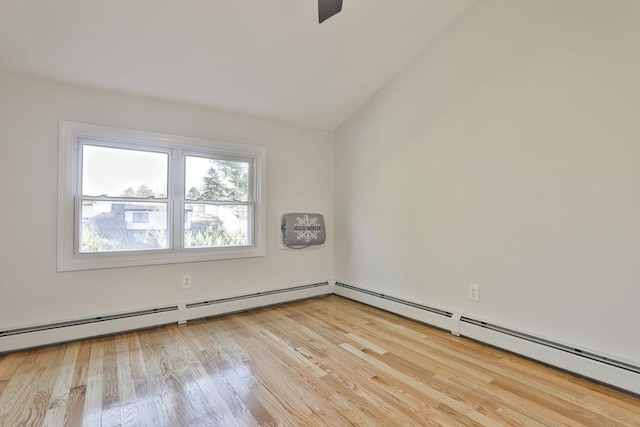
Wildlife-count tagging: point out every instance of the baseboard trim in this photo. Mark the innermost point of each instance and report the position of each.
(431, 315)
(54, 333)
(218, 307)
(606, 369)
(615, 375)
(41, 335)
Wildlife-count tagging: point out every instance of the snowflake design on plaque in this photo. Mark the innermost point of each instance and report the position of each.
(306, 228)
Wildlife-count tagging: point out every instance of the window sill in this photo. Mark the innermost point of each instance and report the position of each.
(94, 261)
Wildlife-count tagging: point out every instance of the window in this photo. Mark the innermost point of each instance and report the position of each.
(140, 217)
(137, 198)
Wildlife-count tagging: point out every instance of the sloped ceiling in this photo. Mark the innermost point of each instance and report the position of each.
(268, 58)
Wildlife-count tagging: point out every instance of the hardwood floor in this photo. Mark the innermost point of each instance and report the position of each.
(319, 362)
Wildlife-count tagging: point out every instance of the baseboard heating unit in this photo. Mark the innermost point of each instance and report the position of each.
(35, 336)
(39, 335)
(216, 307)
(621, 374)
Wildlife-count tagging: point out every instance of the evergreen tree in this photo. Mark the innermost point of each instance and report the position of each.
(214, 237)
(144, 192)
(236, 177)
(194, 194)
(129, 192)
(226, 181)
(212, 186)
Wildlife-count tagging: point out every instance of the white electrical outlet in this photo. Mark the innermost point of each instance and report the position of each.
(186, 281)
(474, 292)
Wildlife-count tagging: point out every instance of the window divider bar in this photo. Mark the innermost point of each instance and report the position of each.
(124, 199)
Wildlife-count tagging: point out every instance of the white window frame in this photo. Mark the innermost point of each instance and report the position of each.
(69, 210)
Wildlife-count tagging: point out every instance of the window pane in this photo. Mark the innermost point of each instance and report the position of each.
(209, 226)
(214, 179)
(112, 226)
(118, 172)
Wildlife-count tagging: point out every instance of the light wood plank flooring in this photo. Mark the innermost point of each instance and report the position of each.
(320, 362)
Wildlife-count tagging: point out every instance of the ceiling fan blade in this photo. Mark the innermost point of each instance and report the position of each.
(328, 8)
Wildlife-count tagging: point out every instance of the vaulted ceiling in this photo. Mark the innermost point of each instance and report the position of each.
(269, 58)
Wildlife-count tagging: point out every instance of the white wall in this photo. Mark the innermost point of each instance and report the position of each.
(507, 154)
(299, 177)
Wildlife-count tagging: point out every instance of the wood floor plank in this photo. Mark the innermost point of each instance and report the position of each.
(110, 386)
(182, 395)
(10, 363)
(58, 403)
(463, 410)
(153, 386)
(75, 407)
(26, 404)
(214, 405)
(126, 385)
(319, 362)
(303, 396)
(92, 414)
(81, 365)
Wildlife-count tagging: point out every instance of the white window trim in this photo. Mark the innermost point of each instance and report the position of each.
(69, 259)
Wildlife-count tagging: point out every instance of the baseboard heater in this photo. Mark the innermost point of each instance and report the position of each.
(555, 345)
(431, 315)
(216, 307)
(39, 335)
(621, 374)
(59, 332)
